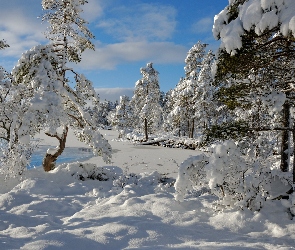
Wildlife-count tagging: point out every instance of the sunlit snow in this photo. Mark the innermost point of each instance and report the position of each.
(57, 210)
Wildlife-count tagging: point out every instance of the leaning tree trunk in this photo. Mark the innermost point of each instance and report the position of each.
(50, 159)
(285, 138)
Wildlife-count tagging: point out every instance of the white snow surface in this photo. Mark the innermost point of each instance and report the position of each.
(57, 211)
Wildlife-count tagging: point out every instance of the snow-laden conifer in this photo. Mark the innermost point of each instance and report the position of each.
(15, 151)
(256, 65)
(121, 117)
(45, 74)
(193, 105)
(145, 102)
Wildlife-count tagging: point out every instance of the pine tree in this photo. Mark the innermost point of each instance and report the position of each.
(44, 72)
(204, 104)
(188, 91)
(14, 151)
(256, 65)
(145, 102)
(121, 117)
(180, 114)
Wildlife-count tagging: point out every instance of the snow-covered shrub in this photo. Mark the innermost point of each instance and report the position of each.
(237, 174)
(141, 180)
(235, 180)
(126, 179)
(191, 174)
(89, 171)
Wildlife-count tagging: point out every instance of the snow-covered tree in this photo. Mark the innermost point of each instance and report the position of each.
(11, 152)
(145, 102)
(102, 112)
(257, 16)
(6, 107)
(257, 55)
(181, 113)
(121, 117)
(193, 94)
(204, 104)
(255, 80)
(168, 103)
(67, 30)
(14, 151)
(44, 72)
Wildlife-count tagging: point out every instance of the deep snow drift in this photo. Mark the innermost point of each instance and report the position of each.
(58, 210)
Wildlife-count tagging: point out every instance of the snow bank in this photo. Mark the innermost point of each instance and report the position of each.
(57, 210)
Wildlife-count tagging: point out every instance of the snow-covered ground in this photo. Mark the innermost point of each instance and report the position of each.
(57, 211)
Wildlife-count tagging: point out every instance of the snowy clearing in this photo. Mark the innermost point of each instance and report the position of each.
(56, 210)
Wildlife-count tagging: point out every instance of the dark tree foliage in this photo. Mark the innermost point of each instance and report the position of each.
(267, 62)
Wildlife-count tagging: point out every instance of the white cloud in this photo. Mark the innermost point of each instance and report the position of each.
(109, 56)
(140, 22)
(142, 29)
(92, 10)
(20, 30)
(113, 94)
(203, 25)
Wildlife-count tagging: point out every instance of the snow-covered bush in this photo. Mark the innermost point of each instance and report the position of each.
(239, 174)
(126, 179)
(13, 160)
(236, 181)
(191, 175)
(89, 171)
(142, 180)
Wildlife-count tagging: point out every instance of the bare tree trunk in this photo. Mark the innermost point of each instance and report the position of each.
(188, 127)
(285, 138)
(293, 131)
(179, 132)
(193, 129)
(50, 159)
(146, 129)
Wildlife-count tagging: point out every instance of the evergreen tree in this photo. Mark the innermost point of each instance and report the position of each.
(145, 102)
(180, 114)
(191, 94)
(121, 117)
(44, 72)
(204, 104)
(256, 65)
(14, 150)
(167, 108)
(103, 111)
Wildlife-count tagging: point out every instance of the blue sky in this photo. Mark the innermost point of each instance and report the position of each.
(128, 34)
